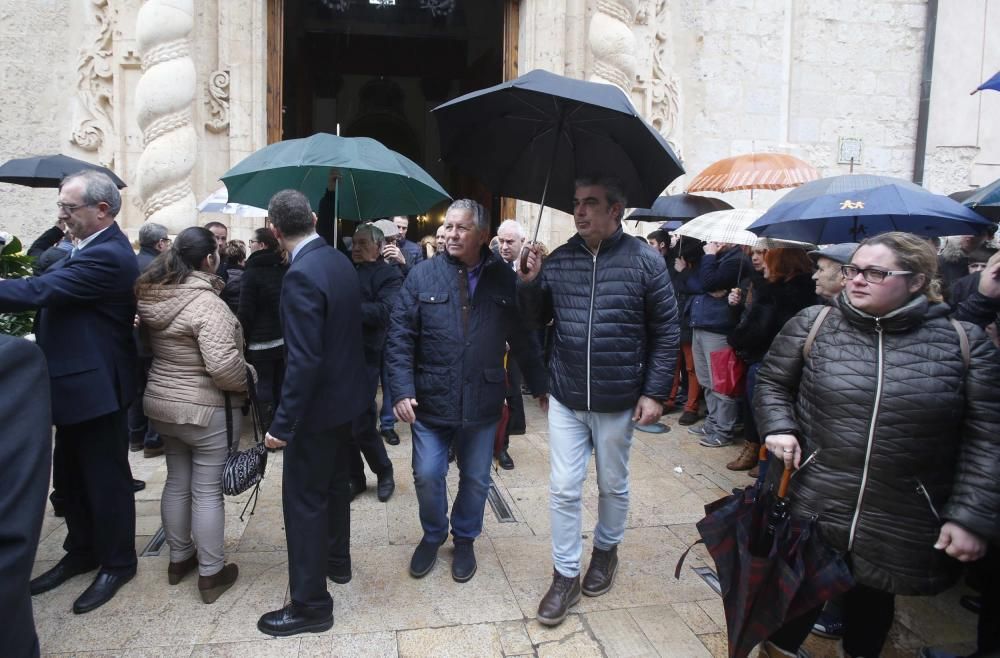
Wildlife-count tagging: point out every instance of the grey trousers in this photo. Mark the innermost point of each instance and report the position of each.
(722, 409)
(191, 506)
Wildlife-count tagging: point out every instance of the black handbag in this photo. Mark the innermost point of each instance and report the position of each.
(245, 468)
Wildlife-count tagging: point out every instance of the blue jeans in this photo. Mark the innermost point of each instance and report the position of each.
(572, 435)
(387, 419)
(474, 452)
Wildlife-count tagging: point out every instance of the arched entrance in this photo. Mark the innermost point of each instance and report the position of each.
(377, 68)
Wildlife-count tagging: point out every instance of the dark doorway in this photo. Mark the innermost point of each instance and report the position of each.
(378, 67)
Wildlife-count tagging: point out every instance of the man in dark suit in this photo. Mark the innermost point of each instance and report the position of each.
(84, 327)
(321, 319)
(25, 455)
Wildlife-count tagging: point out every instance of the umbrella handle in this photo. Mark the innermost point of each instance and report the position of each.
(783, 487)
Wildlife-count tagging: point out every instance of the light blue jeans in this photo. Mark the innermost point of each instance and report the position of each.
(572, 436)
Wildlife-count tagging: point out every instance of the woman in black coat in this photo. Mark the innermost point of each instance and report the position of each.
(260, 294)
(765, 303)
(892, 419)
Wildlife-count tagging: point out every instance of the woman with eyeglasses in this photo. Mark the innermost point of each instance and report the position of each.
(894, 429)
(197, 347)
(260, 294)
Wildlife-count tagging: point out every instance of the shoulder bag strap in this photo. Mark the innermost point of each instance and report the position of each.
(963, 342)
(229, 421)
(817, 323)
(255, 417)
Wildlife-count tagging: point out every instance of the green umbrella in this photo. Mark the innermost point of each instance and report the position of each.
(374, 181)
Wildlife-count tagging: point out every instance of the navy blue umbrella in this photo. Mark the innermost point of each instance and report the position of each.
(681, 207)
(853, 207)
(993, 83)
(985, 200)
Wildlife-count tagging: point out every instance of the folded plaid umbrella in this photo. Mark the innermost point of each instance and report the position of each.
(772, 569)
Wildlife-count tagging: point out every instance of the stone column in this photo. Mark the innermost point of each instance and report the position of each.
(613, 43)
(164, 104)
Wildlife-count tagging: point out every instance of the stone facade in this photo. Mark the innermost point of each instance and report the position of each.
(716, 78)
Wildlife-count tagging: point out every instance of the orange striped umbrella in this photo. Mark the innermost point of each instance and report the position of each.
(754, 171)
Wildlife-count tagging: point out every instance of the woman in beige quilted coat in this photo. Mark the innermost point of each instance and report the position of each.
(197, 346)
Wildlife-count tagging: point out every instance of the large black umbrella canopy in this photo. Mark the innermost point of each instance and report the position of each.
(681, 207)
(983, 200)
(543, 128)
(49, 170)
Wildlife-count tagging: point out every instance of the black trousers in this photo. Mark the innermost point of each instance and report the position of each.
(988, 633)
(316, 502)
(367, 440)
(868, 615)
(91, 464)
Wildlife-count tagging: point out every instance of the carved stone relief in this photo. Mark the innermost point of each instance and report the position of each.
(613, 43)
(218, 101)
(94, 88)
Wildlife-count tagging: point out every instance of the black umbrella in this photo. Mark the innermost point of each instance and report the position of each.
(983, 200)
(531, 137)
(48, 170)
(682, 207)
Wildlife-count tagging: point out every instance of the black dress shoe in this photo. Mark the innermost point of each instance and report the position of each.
(390, 436)
(357, 487)
(424, 558)
(56, 576)
(504, 460)
(138, 485)
(463, 565)
(101, 591)
(386, 485)
(293, 619)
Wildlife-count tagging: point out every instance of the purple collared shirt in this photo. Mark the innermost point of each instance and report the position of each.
(473, 274)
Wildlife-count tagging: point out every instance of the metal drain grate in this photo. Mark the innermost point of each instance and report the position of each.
(708, 575)
(155, 544)
(500, 508)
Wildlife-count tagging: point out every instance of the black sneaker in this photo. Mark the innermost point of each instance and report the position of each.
(688, 418)
(829, 625)
(463, 565)
(390, 436)
(424, 558)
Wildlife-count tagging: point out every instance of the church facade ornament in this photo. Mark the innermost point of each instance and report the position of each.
(218, 101)
(164, 98)
(95, 88)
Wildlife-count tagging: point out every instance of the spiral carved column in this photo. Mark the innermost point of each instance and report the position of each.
(613, 43)
(164, 104)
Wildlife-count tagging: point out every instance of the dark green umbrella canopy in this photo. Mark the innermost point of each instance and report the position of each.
(374, 180)
(985, 200)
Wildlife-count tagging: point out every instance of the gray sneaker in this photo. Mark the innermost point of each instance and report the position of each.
(715, 441)
(698, 431)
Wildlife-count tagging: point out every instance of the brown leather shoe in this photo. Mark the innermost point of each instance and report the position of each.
(755, 471)
(212, 587)
(563, 594)
(601, 572)
(177, 570)
(747, 458)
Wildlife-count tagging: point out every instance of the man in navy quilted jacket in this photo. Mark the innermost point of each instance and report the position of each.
(449, 329)
(616, 340)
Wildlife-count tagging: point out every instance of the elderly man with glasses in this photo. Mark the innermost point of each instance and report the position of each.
(84, 327)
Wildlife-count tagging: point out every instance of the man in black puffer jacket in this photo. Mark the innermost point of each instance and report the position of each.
(616, 341)
(448, 333)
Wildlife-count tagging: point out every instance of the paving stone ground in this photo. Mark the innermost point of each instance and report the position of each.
(385, 612)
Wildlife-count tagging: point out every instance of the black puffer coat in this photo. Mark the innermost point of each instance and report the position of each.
(260, 296)
(902, 436)
(447, 350)
(616, 322)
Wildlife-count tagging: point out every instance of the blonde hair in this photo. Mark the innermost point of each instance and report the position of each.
(914, 255)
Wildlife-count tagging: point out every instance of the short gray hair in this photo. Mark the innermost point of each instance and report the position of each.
(479, 213)
(374, 232)
(614, 189)
(97, 188)
(514, 224)
(290, 212)
(150, 233)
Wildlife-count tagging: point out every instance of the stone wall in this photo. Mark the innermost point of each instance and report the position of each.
(38, 78)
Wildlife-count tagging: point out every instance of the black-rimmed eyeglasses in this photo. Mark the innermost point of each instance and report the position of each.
(871, 274)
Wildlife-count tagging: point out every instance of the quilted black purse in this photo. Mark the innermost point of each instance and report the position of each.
(245, 468)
